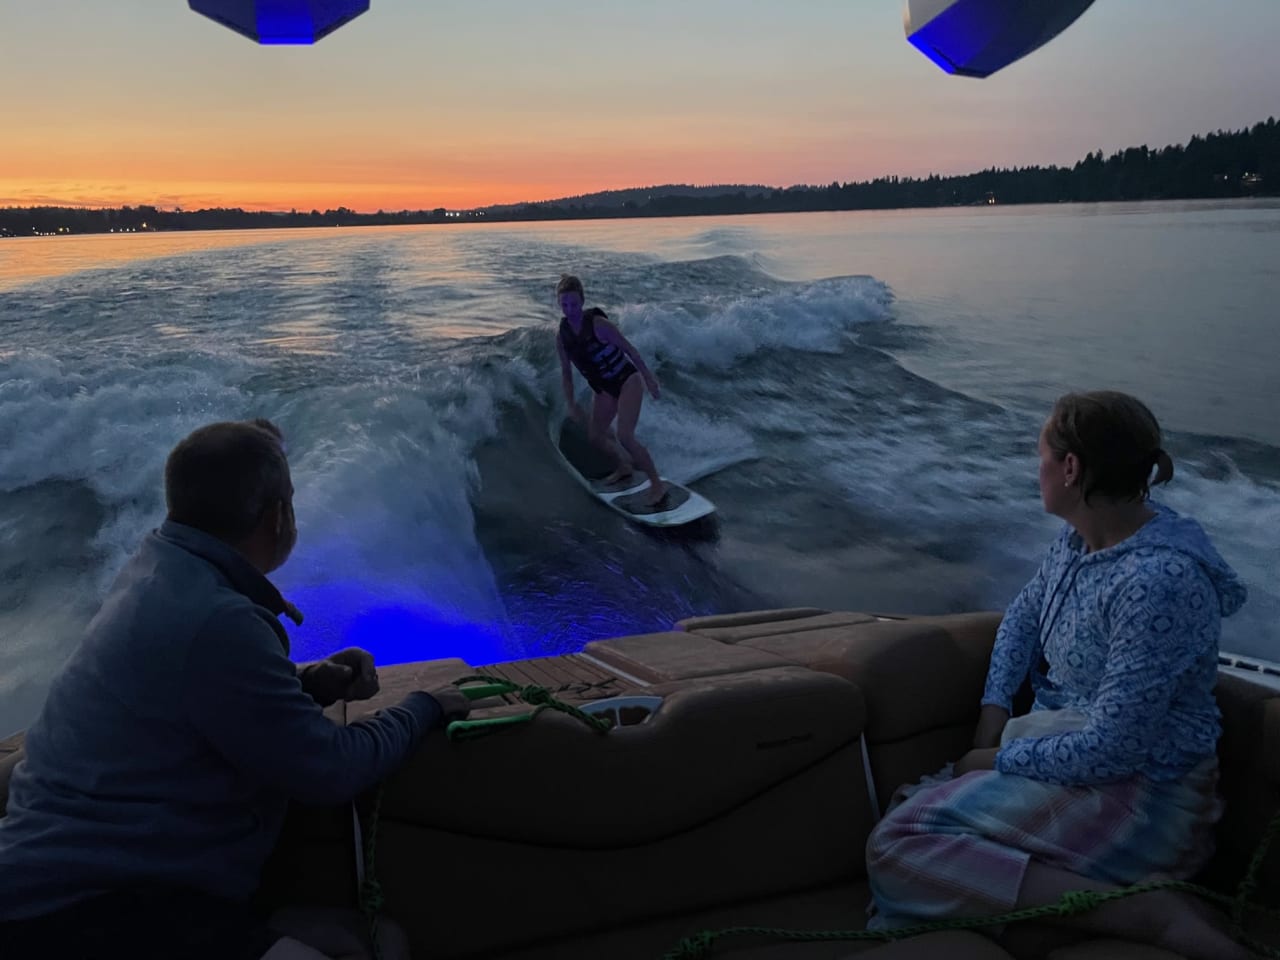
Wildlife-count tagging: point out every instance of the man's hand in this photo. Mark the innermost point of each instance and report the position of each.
(991, 723)
(454, 704)
(346, 675)
(975, 760)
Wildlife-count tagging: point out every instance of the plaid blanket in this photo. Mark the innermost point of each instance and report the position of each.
(958, 847)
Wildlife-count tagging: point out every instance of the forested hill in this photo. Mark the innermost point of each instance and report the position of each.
(1223, 164)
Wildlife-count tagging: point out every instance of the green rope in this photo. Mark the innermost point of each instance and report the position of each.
(540, 698)
(700, 945)
(370, 894)
(371, 898)
(1248, 885)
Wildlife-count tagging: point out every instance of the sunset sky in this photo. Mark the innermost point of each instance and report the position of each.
(459, 103)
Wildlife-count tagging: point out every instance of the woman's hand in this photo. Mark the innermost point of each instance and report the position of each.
(652, 383)
(975, 760)
(991, 723)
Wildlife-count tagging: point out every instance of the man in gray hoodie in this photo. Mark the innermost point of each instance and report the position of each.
(156, 777)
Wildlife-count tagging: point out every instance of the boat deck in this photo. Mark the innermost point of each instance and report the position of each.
(569, 677)
(573, 678)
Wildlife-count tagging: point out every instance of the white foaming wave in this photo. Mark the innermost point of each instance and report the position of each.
(688, 445)
(814, 317)
(910, 472)
(383, 470)
(106, 426)
(38, 636)
(109, 426)
(947, 491)
(1241, 516)
(390, 511)
(384, 474)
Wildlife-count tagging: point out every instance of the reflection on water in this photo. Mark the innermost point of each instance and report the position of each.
(172, 331)
(26, 259)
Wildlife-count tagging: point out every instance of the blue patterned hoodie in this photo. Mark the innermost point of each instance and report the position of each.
(1130, 638)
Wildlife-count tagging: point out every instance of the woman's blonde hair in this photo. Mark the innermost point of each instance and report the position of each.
(569, 284)
(1117, 440)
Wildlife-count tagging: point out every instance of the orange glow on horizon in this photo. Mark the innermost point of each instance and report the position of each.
(461, 106)
(467, 182)
(272, 196)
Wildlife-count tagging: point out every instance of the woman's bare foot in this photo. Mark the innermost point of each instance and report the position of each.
(622, 473)
(1174, 921)
(287, 948)
(656, 493)
(1191, 928)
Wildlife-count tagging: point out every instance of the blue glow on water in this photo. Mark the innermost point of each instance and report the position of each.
(400, 629)
(391, 626)
(407, 634)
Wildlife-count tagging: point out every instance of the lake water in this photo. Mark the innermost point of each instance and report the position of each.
(859, 393)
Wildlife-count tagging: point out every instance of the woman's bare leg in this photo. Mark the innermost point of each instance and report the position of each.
(1164, 918)
(629, 404)
(603, 409)
(334, 934)
(287, 948)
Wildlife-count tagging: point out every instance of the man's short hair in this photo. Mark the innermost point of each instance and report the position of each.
(223, 477)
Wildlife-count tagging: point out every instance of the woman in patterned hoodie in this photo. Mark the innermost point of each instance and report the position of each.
(1111, 779)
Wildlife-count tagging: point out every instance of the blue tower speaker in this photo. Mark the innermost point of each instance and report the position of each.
(975, 38)
(281, 21)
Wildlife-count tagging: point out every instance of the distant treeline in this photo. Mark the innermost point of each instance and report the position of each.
(1223, 164)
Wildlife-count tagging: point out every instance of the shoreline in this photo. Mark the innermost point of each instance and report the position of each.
(1260, 201)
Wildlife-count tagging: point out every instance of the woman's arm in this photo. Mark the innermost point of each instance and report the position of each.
(991, 721)
(1162, 620)
(566, 378)
(1016, 639)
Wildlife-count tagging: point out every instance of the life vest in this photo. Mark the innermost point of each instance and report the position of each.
(603, 364)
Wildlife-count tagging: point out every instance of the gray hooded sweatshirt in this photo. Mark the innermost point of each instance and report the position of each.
(172, 740)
